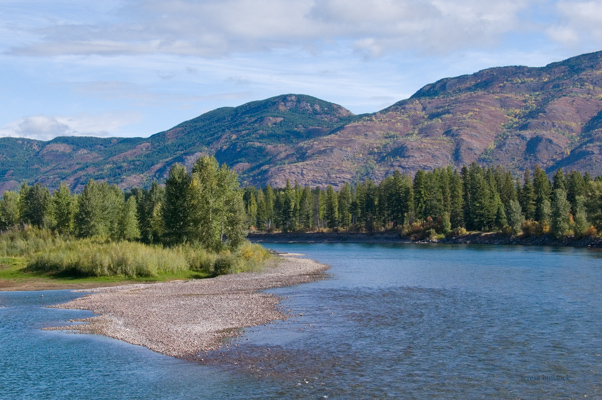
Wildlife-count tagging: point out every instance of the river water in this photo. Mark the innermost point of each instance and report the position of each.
(389, 321)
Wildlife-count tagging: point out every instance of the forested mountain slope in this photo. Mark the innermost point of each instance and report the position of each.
(514, 116)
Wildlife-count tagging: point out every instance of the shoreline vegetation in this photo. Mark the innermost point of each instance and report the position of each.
(482, 238)
(157, 317)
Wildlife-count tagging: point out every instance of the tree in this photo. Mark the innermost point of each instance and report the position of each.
(345, 199)
(581, 223)
(561, 217)
(63, 209)
(128, 224)
(542, 191)
(9, 210)
(178, 209)
(515, 216)
(217, 205)
(331, 211)
(527, 199)
(305, 208)
(36, 205)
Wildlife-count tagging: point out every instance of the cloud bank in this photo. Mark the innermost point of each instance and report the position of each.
(214, 28)
(42, 127)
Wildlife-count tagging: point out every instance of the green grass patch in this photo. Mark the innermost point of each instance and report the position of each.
(40, 254)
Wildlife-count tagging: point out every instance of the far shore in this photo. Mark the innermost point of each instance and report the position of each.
(186, 319)
(486, 238)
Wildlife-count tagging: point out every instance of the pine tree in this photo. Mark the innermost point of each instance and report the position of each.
(261, 218)
(305, 208)
(559, 180)
(420, 194)
(527, 199)
(575, 188)
(542, 191)
(456, 201)
(345, 199)
(269, 206)
(331, 211)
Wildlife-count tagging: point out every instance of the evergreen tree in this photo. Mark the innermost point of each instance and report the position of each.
(445, 223)
(542, 191)
(331, 211)
(345, 199)
(269, 206)
(456, 201)
(288, 220)
(261, 217)
(559, 180)
(305, 208)
(420, 194)
(500, 216)
(575, 188)
(561, 217)
(527, 199)
(581, 224)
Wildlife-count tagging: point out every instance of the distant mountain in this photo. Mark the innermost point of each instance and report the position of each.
(511, 116)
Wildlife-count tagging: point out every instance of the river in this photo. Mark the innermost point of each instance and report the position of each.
(389, 321)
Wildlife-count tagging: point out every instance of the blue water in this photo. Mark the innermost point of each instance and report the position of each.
(389, 321)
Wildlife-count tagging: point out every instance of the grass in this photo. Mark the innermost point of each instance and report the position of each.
(38, 256)
(14, 275)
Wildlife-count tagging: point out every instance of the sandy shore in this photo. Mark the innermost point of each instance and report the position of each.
(185, 318)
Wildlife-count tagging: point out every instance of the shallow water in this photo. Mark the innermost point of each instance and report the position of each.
(404, 321)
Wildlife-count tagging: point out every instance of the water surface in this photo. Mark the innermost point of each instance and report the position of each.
(393, 321)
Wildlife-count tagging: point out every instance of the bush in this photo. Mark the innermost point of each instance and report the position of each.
(225, 263)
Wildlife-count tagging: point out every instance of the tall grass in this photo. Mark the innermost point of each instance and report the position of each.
(47, 252)
(25, 242)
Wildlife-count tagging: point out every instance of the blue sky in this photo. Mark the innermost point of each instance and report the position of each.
(137, 67)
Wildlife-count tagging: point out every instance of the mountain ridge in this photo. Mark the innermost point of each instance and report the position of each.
(514, 116)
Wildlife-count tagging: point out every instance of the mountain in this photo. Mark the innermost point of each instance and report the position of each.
(512, 116)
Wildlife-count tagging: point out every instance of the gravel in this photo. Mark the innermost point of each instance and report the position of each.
(186, 318)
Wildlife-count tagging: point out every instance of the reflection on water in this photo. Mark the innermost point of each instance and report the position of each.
(391, 321)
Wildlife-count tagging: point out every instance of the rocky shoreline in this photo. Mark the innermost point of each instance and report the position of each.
(394, 237)
(187, 318)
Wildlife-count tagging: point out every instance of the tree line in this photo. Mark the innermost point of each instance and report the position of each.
(441, 201)
(202, 207)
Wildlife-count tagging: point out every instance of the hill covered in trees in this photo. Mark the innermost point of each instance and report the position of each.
(518, 117)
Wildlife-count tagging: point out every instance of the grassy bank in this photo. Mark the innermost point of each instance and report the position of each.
(34, 254)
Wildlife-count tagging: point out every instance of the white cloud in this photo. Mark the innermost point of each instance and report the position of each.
(42, 127)
(581, 23)
(214, 28)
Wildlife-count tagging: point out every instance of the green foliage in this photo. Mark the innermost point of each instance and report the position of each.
(515, 217)
(561, 217)
(9, 210)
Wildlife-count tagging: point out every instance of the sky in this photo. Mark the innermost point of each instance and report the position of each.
(138, 67)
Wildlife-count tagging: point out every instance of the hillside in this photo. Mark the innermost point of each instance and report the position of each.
(514, 116)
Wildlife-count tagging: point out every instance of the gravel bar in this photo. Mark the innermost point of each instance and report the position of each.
(186, 318)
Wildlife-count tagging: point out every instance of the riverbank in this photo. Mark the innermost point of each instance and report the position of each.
(186, 318)
(394, 237)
